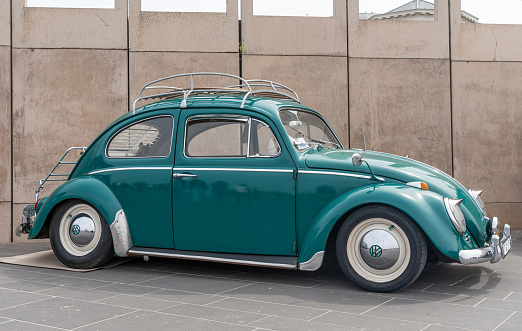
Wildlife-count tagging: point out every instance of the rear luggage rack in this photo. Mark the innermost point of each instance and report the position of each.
(51, 177)
(256, 87)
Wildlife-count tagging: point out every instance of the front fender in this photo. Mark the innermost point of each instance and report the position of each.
(85, 188)
(426, 208)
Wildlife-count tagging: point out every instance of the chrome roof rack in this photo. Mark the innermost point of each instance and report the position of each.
(247, 87)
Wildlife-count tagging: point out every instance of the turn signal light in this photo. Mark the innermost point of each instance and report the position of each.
(421, 185)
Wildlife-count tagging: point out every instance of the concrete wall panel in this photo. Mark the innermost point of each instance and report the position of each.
(5, 222)
(148, 66)
(508, 213)
(488, 128)
(483, 42)
(278, 35)
(5, 124)
(406, 108)
(5, 22)
(184, 32)
(397, 38)
(321, 83)
(62, 98)
(69, 28)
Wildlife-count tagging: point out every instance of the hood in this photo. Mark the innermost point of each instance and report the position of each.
(405, 170)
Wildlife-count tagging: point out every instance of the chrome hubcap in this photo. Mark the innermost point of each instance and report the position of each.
(82, 230)
(379, 249)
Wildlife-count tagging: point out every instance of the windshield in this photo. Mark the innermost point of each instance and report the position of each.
(306, 130)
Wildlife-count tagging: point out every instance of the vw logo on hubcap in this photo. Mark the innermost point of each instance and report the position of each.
(76, 229)
(376, 251)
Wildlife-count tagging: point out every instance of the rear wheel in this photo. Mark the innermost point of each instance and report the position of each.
(381, 249)
(80, 236)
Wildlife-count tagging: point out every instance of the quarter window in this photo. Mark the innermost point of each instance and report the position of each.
(146, 139)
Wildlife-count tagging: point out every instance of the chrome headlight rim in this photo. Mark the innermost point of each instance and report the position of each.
(455, 214)
(478, 199)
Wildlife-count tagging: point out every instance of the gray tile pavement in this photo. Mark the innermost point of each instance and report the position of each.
(189, 295)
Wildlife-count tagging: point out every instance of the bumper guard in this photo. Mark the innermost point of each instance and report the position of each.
(498, 249)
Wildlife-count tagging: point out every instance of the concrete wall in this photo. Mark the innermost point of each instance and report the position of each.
(307, 54)
(442, 92)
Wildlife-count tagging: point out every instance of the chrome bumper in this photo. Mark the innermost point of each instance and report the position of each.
(498, 249)
(28, 215)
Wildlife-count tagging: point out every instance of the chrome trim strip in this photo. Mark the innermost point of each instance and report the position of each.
(333, 173)
(212, 259)
(130, 168)
(314, 263)
(121, 237)
(232, 169)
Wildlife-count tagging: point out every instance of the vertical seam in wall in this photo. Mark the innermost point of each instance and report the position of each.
(11, 214)
(129, 101)
(451, 91)
(348, 73)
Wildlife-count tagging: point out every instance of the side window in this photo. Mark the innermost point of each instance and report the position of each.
(217, 137)
(230, 136)
(262, 140)
(145, 139)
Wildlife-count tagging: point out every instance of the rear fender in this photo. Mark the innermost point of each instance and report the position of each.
(426, 208)
(100, 197)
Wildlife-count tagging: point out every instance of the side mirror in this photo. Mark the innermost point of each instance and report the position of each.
(357, 159)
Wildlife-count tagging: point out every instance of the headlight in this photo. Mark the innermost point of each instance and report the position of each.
(455, 214)
(478, 199)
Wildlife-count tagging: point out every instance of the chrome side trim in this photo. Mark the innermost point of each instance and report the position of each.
(314, 263)
(232, 169)
(121, 237)
(333, 173)
(131, 168)
(211, 259)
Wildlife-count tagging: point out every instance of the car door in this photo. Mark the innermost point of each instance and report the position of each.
(233, 186)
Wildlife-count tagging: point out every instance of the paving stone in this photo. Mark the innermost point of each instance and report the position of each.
(460, 299)
(474, 292)
(125, 275)
(15, 274)
(13, 325)
(284, 323)
(76, 293)
(198, 284)
(269, 308)
(63, 313)
(435, 327)
(494, 281)
(304, 297)
(512, 324)
(275, 279)
(369, 322)
(77, 282)
(215, 314)
(127, 289)
(139, 302)
(441, 313)
(26, 286)
(10, 298)
(501, 304)
(184, 297)
(514, 296)
(143, 320)
(446, 278)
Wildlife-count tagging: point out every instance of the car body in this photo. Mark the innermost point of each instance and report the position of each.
(253, 177)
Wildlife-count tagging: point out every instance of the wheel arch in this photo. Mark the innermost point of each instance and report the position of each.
(95, 193)
(426, 208)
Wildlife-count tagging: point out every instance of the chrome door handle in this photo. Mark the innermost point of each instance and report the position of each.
(179, 175)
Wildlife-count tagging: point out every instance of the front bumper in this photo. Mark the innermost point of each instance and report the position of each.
(499, 247)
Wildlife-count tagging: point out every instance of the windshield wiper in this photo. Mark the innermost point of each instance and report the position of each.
(326, 142)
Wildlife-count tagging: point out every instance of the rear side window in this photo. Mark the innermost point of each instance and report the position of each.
(145, 139)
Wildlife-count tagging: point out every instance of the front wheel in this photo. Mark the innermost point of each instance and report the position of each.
(381, 249)
(80, 236)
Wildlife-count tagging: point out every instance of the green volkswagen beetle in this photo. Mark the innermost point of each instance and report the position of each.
(245, 174)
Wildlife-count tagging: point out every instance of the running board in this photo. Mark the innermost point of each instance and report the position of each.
(270, 261)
